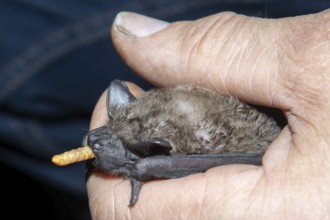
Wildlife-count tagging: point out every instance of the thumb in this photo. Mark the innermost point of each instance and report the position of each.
(281, 63)
(227, 52)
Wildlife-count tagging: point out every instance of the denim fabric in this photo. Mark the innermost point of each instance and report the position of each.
(56, 58)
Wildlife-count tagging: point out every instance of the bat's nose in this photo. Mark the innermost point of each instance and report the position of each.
(96, 134)
(97, 148)
(97, 142)
(93, 139)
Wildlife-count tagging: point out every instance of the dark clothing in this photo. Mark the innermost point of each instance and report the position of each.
(56, 60)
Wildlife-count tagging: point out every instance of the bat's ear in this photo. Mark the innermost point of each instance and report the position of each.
(118, 94)
(156, 146)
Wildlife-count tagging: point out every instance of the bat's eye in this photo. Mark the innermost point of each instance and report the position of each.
(97, 148)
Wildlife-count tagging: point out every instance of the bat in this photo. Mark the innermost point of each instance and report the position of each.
(177, 131)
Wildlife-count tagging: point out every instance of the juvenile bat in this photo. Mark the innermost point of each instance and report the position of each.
(174, 132)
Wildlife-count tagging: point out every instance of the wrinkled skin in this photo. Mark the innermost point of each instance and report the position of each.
(282, 63)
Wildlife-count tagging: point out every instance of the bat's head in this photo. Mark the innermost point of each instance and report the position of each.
(110, 154)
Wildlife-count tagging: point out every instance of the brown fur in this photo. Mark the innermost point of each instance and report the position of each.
(195, 121)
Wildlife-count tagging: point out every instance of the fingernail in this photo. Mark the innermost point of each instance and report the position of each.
(138, 25)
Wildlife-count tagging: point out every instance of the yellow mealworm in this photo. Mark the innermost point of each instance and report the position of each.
(73, 156)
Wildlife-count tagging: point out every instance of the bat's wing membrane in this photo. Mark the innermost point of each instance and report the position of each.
(153, 147)
(176, 166)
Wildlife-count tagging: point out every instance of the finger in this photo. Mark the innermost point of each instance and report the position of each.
(277, 154)
(185, 197)
(100, 114)
(227, 52)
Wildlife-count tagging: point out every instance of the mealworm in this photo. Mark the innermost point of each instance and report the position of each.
(73, 156)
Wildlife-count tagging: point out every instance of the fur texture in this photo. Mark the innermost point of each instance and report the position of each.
(194, 120)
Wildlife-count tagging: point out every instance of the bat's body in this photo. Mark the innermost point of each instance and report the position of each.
(174, 132)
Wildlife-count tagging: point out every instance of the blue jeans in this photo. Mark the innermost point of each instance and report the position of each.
(56, 60)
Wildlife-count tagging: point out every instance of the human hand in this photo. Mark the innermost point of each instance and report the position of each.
(283, 63)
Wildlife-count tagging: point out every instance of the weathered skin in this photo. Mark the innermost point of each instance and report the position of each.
(173, 132)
